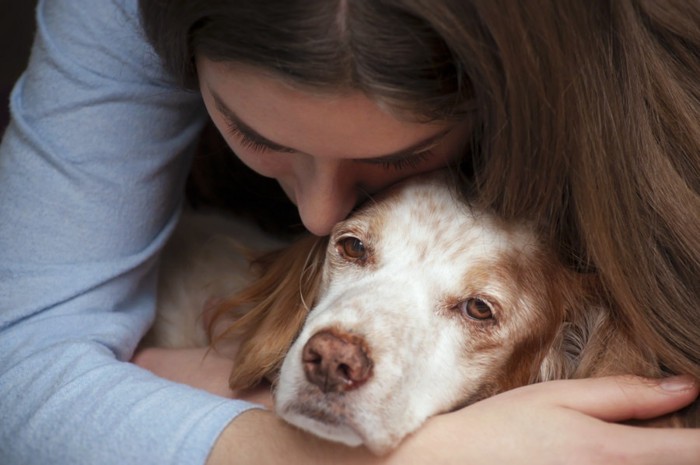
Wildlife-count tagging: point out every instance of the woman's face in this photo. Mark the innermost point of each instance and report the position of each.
(328, 152)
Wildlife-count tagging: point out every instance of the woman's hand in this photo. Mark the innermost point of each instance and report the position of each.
(549, 423)
(568, 422)
(201, 368)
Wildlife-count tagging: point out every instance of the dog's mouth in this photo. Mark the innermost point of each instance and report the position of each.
(324, 416)
(328, 420)
(332, 417)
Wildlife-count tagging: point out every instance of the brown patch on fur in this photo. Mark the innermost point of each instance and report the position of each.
(539, 296)
(580, 336)
(552, 291)
(270, 312)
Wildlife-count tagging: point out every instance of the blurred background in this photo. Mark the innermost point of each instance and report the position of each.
(16, 34)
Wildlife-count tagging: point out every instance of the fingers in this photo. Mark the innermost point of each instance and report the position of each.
(653, 446)
(619, 398)
(551, 422)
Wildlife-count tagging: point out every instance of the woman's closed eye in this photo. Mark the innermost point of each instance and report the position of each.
(252, 141)
(257, 144)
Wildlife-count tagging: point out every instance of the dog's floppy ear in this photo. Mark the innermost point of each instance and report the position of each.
(580, 335)
(592, 341)
(268, 314)
(583, 331)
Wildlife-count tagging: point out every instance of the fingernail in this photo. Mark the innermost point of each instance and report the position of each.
(677, 383)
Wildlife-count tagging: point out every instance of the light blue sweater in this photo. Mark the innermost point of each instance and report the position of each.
(91, 174)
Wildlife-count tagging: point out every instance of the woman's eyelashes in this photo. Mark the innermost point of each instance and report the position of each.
(250, 142)
(409, 162)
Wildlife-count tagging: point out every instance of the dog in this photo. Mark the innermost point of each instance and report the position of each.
(415, 305)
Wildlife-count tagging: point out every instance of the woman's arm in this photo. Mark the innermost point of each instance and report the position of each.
(92, 169)
(556, 422)
(549, 423)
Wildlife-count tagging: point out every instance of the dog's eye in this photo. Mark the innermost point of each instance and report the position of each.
(352, 247)
(477, 309)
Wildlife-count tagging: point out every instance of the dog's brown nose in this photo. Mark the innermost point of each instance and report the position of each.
(336, 361)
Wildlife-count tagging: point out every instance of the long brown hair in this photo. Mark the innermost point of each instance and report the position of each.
(587, 117)
(592, 128)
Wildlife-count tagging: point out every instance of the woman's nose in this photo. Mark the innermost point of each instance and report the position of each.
(326, 196)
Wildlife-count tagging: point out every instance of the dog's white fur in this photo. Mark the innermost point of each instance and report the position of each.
(206, 259)
(427, 256)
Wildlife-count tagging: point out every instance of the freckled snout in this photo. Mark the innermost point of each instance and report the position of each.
(336, 361)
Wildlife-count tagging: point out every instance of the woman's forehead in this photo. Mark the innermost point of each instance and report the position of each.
(347, 123)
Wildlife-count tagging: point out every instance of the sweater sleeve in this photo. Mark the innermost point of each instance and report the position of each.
(91, 174)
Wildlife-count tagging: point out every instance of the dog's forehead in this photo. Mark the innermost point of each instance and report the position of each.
(428, 217)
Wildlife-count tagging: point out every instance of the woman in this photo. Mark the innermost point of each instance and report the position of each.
(579, 117)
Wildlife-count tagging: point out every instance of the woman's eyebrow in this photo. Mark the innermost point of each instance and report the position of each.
(253, 135)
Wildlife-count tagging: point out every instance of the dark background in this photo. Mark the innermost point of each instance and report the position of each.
(16, 34)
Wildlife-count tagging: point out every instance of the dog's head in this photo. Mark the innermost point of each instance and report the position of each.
(424, 306)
